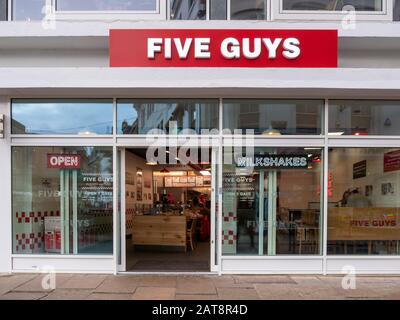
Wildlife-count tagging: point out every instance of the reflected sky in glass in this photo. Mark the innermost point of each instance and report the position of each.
(62, 117)
(106, 5)
(28, 10)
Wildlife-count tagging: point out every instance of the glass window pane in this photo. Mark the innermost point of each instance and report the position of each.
(3, 10)
(106, 5)
(396, 13)
(172, 116)
(28, 10)
(274, 117)
(218, 9)
(272, 201)
(62, 200)
(188, 10)
(333, 5)
(361, 118)
(248, 10)
(62, 116)
(364, 210)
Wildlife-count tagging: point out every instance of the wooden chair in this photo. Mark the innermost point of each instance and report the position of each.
(191, 234)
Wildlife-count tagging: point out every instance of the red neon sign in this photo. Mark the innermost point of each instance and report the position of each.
(63, 161)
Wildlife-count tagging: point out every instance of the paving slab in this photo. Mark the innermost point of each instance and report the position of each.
(68, 294)
(229, 282)
(274, 291)
(154, 293)
(9, 282)
(264, 279)
(88, 281)
(157, 281)
(23, 296)
(110, 296)
(195, 285)
(196, 297)
(237, 294)
(119, 284)
(35, 285)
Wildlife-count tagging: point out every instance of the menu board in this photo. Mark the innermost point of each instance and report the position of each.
(187, 182)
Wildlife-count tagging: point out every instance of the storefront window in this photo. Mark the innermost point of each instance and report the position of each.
(84, 117)
(364, 201)
(3, 10)
(396, 13)
(363, 117)
(188, 9)
(106, 5)
(272, 201)
(218, 9)
(333, 5)
(28, 10)
(62, 200)
(274, 117)
(248, 10)
(172, 116)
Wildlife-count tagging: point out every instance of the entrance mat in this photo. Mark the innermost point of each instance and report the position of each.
(170, 265)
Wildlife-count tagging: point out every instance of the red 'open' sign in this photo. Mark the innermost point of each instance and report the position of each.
(63, 161)
(221, 48)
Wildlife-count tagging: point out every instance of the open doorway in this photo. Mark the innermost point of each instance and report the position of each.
(168, 213)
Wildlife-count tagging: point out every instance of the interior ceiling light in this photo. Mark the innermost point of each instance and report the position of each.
(271, 132)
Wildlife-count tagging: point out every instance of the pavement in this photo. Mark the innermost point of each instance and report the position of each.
(202, 287)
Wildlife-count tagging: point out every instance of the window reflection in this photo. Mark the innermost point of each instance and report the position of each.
(248, 9)
(62, 116)
(274, 117)
(363, 117)
(218, 9)
(3, 10)
(332, 5)
(106, 5)
(396, 13)
(28, 10)
(188, 9)
(171, 116)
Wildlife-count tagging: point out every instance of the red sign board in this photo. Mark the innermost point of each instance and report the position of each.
(63, 161)
(391, 161)
(224, 48)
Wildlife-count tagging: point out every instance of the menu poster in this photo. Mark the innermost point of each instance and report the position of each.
(199, 181)
(391, 161)
(168, 182)
(360, 169)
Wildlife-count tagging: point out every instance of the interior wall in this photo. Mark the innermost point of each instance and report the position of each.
(132, 164)
(341, 170)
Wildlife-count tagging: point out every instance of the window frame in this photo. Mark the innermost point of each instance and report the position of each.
(278, 13)
(158, 14)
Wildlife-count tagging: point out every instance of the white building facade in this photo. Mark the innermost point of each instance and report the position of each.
(60, 96)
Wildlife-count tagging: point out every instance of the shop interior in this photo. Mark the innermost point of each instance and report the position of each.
(364, 203)
(168, 209)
